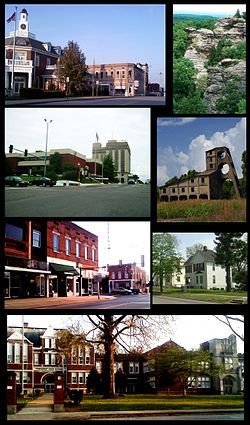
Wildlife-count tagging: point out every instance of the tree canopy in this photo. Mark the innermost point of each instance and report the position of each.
(109, 168)
(72, 66)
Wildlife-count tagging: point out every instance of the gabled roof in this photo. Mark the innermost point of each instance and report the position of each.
(31, 42)
(162, 348)
(18, 336)
(207, 254)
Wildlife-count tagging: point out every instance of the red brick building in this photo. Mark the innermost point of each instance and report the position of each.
(35, 61)
(127, 276)
(53, 258)
(72, 255)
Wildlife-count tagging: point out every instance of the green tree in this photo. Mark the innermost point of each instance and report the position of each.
(94, 381)
(183, 367)
(237, 14)
(165, 258)
(228, 251)
(72, 66)
(244, 173)
(191, 250)
(109, 168)
(56, 162)
(232, 94)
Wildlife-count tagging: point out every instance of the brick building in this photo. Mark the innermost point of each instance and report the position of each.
(53, 258)
(127, 79)
(35, 61)
(34, 357)
(207, 184)
(128, 276)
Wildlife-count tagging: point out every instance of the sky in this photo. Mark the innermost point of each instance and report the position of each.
(105, 33)
(128, 240)
(189, 331)
(220, 10)
(182, 142)
(76, 128)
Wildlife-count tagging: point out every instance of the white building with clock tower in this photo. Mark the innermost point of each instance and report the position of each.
(34, 62)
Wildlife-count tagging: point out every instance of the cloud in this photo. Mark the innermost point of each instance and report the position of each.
(173, 122)
(179, 162)
(162, 174)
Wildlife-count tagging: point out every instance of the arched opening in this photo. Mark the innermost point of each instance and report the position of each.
(203, 196)
(229, 385)
(173, 198)
(227, 189)
(221, 154)
(49, 383)
(224, 168)
(122, 179)
(183, 197)
(164, 198)
(193, 197)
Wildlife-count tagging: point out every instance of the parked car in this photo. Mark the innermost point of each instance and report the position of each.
(122, 291)
(135, 291)
(15, 181)
(131, 181)
(42, 181)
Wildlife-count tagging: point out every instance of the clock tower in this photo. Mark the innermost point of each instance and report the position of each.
(23, 28)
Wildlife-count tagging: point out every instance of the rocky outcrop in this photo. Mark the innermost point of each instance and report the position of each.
(202, 40)
(219, 76)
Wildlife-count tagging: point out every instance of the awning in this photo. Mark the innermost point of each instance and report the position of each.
(62, 268)
(22, 269)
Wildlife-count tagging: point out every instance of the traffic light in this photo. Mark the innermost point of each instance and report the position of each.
(25, 152)
(10, 148)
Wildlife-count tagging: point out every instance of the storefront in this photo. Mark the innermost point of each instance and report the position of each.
(25, 283)
(63, 282)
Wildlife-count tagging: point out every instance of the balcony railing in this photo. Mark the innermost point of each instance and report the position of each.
(19, 62)
(25, 263)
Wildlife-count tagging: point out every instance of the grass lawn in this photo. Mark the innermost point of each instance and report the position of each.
(229, 210)
(160, 402)
(201, 294)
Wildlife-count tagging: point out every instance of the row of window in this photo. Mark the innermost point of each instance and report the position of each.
(79, 377)
(198, 267)
(199, 382)
(68, 243)
(104, 74)
(17, 233)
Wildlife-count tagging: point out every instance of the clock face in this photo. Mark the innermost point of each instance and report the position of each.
(23, 27)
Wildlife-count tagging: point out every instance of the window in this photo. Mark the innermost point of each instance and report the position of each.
(36, 239)
(198, 267)
(188, 269)
(36, 358)
(74, 354)
(118, 366)
(87, 355)
(228, 361)
(73, 378)
(25, 377)
(13, 232)
(53, 358)
(48, 61)
(80, 355)
(98, 366)
(203, 382)
(55, 243)
(67, 246)
(117, 73)
(18, 377)
(178, 278)
(130, 73)
(81, 378)
(133, 367)
(113, 275)
(47, 358)
(173, 190)
(213, 267)
(93, 254)
(25, 352)
(183, 189)
(202, 180)
(192, 189)
(112, 73)
(78, 248)
(9, 352)
(197, 279)
(85, 252)
(201, 279)
(17, 353)
(214, 280)
(101, 74)
(119, 275)
(37, 60)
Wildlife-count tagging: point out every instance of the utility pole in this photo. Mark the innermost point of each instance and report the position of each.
(46, 145)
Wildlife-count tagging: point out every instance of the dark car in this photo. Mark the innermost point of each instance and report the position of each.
(135, 291)
(42, 181)
(15, 181)
(121, 291)
(131, 181)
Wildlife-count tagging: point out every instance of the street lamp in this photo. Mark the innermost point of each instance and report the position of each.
(46, 145)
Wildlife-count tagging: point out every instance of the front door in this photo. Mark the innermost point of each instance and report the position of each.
(17, 86)
(49, 384)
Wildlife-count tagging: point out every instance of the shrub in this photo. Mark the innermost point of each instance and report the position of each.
(34, 93)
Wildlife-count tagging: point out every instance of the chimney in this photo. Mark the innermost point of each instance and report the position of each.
(205, 248)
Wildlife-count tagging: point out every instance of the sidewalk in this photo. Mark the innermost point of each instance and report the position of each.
(53, 301)
(82, 416)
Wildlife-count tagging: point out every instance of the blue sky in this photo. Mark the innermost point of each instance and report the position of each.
(105, 33)
(182, 142)
(217, 10)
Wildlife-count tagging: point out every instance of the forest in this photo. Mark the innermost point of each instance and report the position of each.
(188, 89)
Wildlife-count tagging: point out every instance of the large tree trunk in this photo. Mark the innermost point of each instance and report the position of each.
(109, 385)
(228, 278)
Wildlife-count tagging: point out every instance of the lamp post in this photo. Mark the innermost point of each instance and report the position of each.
(46, 145)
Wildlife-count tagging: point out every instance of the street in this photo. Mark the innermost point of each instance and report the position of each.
(85, 201)
(137, 302)
(87, 101)
(190, 417)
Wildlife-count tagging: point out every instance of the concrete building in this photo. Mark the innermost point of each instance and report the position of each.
(34, 62)
(121, 155)
(207, 184)
(201, 272)
(224, 354)
(127, 276)
(127, 79)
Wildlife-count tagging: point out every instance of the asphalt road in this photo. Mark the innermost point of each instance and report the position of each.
(136, 302)
(158, 299)
(100, 101)
(86, 201)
